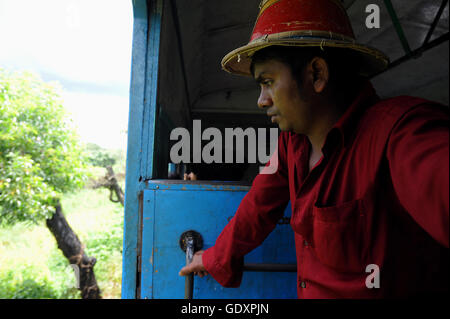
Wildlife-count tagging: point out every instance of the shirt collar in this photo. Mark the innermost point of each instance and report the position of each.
(348, 122)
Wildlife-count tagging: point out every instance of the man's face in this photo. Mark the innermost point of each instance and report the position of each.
(280, 96)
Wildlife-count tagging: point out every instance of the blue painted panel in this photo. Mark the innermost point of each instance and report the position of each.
(148, 233)
(132, 185)
(171, 209)
(141, 129)
(151, 90)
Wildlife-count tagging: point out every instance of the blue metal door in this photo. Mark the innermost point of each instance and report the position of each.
(169, 209)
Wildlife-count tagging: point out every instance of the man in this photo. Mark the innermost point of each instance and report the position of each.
(368, 179)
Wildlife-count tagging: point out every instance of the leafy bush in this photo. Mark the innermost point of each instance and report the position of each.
(32, 266)
(40, 154)
(106, 247)
(98, 156)
(27, 282)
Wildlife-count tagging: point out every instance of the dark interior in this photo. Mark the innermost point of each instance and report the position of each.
(196, 34)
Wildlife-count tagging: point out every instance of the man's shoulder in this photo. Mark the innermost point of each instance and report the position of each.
(383, 116)
(396, 107)
(399, 105)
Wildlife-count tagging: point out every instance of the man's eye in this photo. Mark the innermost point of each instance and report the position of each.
(267, 82)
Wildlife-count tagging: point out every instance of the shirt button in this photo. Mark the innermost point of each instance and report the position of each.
(303, 284)
(305, 243)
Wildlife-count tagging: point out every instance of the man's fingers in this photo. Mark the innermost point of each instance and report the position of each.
(196, 266)
(185, 271)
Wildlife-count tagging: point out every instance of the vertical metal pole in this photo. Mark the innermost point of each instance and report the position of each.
(190, 242)
(435, 22)
(397, 26)
(189, 281)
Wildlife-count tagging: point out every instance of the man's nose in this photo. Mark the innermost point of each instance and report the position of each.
(264, 99)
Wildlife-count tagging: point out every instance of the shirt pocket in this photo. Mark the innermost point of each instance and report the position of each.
(338, 236)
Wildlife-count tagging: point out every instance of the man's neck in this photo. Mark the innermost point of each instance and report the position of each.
(319, 131)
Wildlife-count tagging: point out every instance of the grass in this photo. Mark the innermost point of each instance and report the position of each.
(32, 266)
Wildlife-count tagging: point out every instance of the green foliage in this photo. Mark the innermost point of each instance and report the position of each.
(99, 225)
(32, 266)
(98, 156)
(25, 283)
(40, 154)
(106, 247)
(101, 245)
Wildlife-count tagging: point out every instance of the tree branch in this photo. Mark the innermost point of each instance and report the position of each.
(73, 250)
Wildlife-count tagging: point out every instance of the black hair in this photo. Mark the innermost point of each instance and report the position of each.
(342, 63)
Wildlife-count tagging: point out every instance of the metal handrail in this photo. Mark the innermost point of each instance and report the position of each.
(271, 267)
(191, 241)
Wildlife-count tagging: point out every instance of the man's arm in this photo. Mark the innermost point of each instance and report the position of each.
(418, 155)
(255, 218)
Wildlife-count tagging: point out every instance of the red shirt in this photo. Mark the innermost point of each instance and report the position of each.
(379, 195)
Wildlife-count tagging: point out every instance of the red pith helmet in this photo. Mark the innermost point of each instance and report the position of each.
(307, 23)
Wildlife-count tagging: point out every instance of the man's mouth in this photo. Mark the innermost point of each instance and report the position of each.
(272, 116)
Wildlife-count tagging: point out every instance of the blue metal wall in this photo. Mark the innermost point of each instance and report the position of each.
(141, 130)
(171, 209)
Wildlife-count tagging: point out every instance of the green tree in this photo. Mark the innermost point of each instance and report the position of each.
(40, 155)
(98, 156)
(41, 158)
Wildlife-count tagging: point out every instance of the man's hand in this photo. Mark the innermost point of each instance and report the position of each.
(190, 177)
(196, 266)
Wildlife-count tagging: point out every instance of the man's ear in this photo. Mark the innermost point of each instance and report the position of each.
(321, 74)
